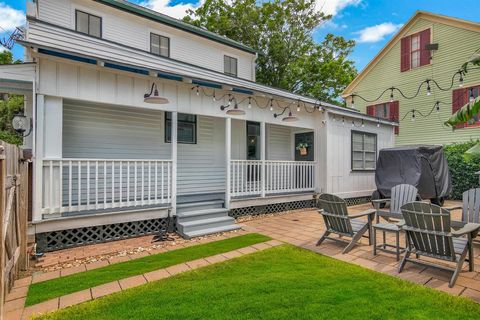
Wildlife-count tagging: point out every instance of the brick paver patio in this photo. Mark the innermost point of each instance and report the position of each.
(304, 229)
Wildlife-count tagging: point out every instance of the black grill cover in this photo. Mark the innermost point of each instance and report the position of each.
(423, 166)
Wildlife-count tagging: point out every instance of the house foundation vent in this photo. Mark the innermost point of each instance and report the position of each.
(63, 239)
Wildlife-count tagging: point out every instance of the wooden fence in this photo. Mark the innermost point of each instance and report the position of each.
(14, 198)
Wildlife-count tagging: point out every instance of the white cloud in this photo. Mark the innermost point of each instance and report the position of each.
(335, 6)
(176, 11)
(10, 18)
(377, 32)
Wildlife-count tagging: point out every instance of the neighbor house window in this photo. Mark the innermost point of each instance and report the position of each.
(187, 128)
(413, 50)
(461, 97)
(230, 65)
(88, 23)
(364, 150)
(159, 45)
(388, 111)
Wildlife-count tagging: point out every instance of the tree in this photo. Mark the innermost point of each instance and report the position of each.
(9, 104)
(282, 32)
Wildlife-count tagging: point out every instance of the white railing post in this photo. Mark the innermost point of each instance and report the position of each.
(174, 162)
(228, 156)
(262, 157)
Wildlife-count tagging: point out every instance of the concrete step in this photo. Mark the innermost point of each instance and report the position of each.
(204, 232)
(201, 205)
(197, 225)
(196, 215)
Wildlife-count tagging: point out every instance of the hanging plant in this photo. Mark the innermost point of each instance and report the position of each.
(302, 148)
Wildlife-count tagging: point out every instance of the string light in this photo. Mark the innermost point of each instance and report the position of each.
(343, 120)
(437, 106)
(460, 80)
(271, 104)
(363, 124)
(391, 95)
(198, 92)
(413, 115)
(214, 98)
(353, 103)
(429, 91)
(249, 102)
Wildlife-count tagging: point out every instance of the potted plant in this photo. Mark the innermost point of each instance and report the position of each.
(302, 147)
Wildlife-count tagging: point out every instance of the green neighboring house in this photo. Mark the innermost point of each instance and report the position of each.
(410, 57)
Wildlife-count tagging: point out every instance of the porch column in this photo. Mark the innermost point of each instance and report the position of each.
(228, 157)
(174, 162)
(262, 156)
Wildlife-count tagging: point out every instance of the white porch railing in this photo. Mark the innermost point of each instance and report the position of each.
(280, 177)
(72, 185)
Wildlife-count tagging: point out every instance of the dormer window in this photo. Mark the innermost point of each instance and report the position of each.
(159, 45)
(88, 23)
(230, 66)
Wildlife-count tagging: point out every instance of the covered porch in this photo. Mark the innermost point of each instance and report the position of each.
(102, 158)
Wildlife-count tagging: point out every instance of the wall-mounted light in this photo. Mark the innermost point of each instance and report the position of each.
(154, 97)
(21, 123)
(235, 111)
(290, 118)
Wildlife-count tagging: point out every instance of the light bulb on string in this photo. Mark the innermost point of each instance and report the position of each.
(214, 98)
(197, 91)
(437, 106)
(249, 102)
(343, 120)
(429, 91)
(460, 80)
(363, 124)
(271, 104)
(353, 123)
(391, 95)
(353, 102)
(413, 115)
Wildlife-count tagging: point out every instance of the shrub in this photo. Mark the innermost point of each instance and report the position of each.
(462, 169)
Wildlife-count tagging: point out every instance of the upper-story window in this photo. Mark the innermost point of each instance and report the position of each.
(88, 23)
(230, 65)
(461, 97)
(159, 45)
(389, 111)
(413, 50)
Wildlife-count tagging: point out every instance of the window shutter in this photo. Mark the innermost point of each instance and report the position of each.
(371, 110)
(424, 53)
(395, 114)
(459, 99)
(405, 54)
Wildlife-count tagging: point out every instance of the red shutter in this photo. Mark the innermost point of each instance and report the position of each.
(395, 114)
(371, 110)
(459, 99)
(405, 54)
(424, 53)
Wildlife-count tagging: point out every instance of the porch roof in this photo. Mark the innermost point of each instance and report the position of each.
(69, 44)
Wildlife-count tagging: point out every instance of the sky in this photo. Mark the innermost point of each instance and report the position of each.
(371, 23)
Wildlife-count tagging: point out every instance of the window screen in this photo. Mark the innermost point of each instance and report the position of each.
(364, 150)
(187, 128)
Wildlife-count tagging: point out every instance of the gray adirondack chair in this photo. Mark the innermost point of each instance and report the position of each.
(470, 208)
(400, 195)
(336, 218)
(428, 231)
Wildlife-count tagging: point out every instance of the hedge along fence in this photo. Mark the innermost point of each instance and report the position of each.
(462, 169)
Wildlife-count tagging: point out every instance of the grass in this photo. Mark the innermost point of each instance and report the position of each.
(284, 282)
(46, 290)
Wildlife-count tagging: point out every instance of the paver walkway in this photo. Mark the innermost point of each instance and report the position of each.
(305, 228)
(15, 309)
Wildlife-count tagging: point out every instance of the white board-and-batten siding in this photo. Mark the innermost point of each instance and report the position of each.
(340, 178)
(134, 31)
(112, 132)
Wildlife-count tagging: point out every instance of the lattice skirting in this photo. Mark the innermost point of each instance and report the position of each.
(358, 200)
(287, 206)
(271, 208)
(56, 240)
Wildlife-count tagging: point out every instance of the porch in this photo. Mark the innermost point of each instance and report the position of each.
(113, 159)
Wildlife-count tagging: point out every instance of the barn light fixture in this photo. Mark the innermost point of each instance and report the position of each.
(154, 97)
(236, 111)
(21, 123)
(290, 118)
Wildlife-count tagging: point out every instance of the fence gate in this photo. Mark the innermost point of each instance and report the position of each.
(14, 215)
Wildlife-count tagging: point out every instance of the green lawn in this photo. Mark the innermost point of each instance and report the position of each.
(284, 282)
(46, 290)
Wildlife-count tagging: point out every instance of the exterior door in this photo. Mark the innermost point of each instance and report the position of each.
(253, 149)
(302, 139)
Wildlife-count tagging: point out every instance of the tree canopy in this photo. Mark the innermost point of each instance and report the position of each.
(9, 104)
(282, 33)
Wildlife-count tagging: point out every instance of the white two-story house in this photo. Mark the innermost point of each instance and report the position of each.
(142, 121)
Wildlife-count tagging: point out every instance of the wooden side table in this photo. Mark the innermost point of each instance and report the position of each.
(384, 246)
